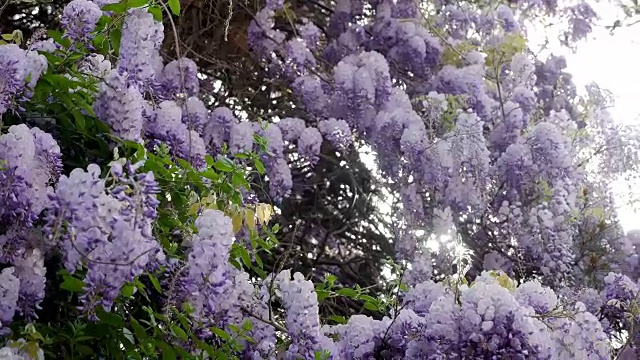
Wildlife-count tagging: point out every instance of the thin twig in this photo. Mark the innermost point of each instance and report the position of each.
(176, 38)
(4, 6)
(268, 322)
(227, 21)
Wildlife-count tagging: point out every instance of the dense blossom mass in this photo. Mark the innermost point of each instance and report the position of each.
(478, 143)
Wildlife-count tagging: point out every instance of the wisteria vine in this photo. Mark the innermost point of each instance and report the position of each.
(480, 144)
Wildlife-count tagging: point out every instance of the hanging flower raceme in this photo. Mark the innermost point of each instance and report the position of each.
(106, 229)
(79, 19)
(241, 137)
(166, 125)
(302, 316)
(214, 289)
(9, 291)
(30, 162)
(12, 60)
(263, 334)
(19, 73)
(619, 295)
(359, 338)
(280, 179)
(218, 128)
(195, 114)
(141, 40)
(291, 128)
(24, 250)
(337, 132)
(309, 144)
(178, 78)
(121, 107)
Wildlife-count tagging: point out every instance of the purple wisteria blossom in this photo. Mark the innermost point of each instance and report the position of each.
(141, 40)
(79, 19)
(121, 106)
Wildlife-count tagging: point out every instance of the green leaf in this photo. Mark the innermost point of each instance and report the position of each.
(371, 306)
(116, 36)
(80, 121)
(259, 166)
(247, 326)
(53, 60)
(30, 348)
(140, 332)
(155, 283)
(367, 298)
(102, 127)
(259, 261)
(136, 3)
(116, 8)
(210, 174)
(323, 294)
(209, 159)
(60, 81)
(246, 258)
(261, 273)
(224, 165)
(157, 168)
(127, 290)
(85, 350)
(110, 318)
(185, 164)
(262, 142)
(338, 319)
(347, 292)
(183, 319)
(174, 5)
(179, 332)
(322, 355)
(33, 333)
(220, 354)
(57, 37)
(235, 329)
(17, 36)
(167, 351)
(156, 11)
(221, 333)
(84, 338)
(238, 179)
(132, 350)
(99, 43)
(247, 338)
(113, 351)
(85, 106)
(72, 284)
